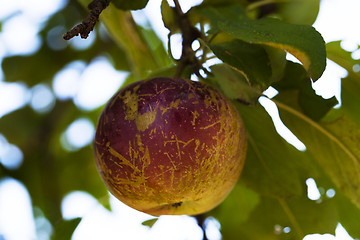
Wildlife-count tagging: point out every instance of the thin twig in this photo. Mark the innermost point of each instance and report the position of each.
(87, 25)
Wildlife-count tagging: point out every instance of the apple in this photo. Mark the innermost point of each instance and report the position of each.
(170, 146)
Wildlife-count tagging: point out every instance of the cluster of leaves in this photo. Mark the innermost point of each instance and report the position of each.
(251, 39)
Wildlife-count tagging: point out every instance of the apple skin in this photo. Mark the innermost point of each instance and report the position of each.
(170, 146)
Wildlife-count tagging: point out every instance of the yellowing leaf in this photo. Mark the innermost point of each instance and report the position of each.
(303, 58)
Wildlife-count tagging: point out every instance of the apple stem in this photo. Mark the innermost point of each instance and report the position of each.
(189, 35)
(178, 7)
(201, 222)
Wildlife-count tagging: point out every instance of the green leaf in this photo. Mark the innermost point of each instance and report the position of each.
(27, 64)
(299, 12)
(249, 59)
(129, 38)
(296, 81)
(278, 62)
(334, 145)
(20, 132)
(268, 220)
(65, 229)
(164, 72)
(349, 215)
(236, 208)
(338, 55)
(55, 52)
(46, 65)
(218, 3)
(233, 84)
(15, 129)
(273, 167)
(150, 222)
(168, 16)
(350, 98)
(129, 5)
(159, 53)
(48, 170)
(302, 41)
(350, 86)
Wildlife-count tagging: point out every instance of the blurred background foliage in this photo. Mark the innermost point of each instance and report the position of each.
(270, 201)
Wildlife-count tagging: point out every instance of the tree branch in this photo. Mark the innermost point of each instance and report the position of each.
(87, 25)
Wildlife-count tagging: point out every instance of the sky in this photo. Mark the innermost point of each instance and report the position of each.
(337, 21)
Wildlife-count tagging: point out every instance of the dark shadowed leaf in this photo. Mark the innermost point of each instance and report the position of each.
(130, 5)
(296, 81)
(278, 62)
(302, 41)
(64, 230)
(15, 129)
(249, 59)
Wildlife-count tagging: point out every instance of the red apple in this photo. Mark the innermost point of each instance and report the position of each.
(170, 146)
